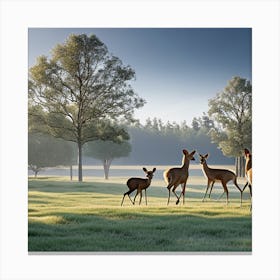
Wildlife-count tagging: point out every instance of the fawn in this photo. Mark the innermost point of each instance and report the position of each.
(139, 184)
(179, 175)
(222, 175)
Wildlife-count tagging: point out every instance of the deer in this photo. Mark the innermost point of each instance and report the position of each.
(248, 171)
(222, 175)
(139, 184)
(179, 175)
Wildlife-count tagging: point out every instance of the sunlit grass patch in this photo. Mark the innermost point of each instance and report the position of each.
(72, 216)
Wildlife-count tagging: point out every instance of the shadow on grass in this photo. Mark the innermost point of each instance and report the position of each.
(125, 230)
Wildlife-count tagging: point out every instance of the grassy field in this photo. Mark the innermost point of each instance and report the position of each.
(87, 217)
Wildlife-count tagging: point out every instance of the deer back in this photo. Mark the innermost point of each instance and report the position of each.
(176, 174)
(134, 183)
(214, 174)
(220, 174)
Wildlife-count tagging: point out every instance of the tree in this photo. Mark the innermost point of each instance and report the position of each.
(205, 122)
(195, 124)
(47, 151)
(232, 112)
(106, 151)
(82, 91)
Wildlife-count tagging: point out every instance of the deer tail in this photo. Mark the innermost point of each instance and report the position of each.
(167, 176)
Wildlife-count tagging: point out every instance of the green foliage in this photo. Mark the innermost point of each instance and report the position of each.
(79, 86)
(107, 151)
(195, 124)
(232, 112)
(47, 151)
(161, 143)
(80, 91)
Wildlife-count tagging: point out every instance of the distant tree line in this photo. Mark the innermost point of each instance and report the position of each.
(154, 142)
(161, 143)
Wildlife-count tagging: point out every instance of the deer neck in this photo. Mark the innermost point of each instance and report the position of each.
(205, 168)
(149, 180)
(186, 163)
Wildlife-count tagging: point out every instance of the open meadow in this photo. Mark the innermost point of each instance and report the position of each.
(65, 216)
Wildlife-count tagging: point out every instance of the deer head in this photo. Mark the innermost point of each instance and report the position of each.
(203, 158)
(189, 156)
(150, 174)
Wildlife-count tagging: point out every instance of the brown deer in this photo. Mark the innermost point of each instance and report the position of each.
(179, 175)
(222, 175)
(139, 184)
(248, 171)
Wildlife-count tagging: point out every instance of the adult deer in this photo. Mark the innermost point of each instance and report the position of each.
(139, 184)
(248, 171)
(179, 175)
(222, 175)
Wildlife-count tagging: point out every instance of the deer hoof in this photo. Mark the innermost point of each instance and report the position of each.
(177, 202)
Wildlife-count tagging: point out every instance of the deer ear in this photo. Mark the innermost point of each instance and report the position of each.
(145, 170)
(154, 170)
(206, 156)
(201, 155)
(185, 152)
(193, 152)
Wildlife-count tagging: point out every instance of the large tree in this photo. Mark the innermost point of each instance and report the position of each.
(231, 110)
(107, 151)
(81, 90)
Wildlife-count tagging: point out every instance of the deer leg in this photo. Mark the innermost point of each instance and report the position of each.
(211, 189)
(168, 196)
(135, 196)
(250, 188)
(241, 191)
(245, 186)
(169, 187)
(127, 193)
(173, 190)
(182, 193)
(225, 189)
(122, 200)
(130, 199)
(146, 196)
(208, 184)
(140, 197)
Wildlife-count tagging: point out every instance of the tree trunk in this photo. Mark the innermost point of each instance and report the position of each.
(71, 172)
(242, 169)
(106, 166)
(239, 166)
(80, 170)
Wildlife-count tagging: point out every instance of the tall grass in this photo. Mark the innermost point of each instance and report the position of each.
(87, 217)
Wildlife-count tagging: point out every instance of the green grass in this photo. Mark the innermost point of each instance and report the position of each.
(87, 217)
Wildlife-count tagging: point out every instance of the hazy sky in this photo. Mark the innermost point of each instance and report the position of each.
(177, 69)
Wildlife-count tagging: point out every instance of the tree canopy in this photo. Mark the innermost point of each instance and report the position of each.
(107, 151)
(47, 151)
(231, 111)
(81, 91)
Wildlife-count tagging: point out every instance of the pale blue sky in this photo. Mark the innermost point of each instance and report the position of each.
(177, 69)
